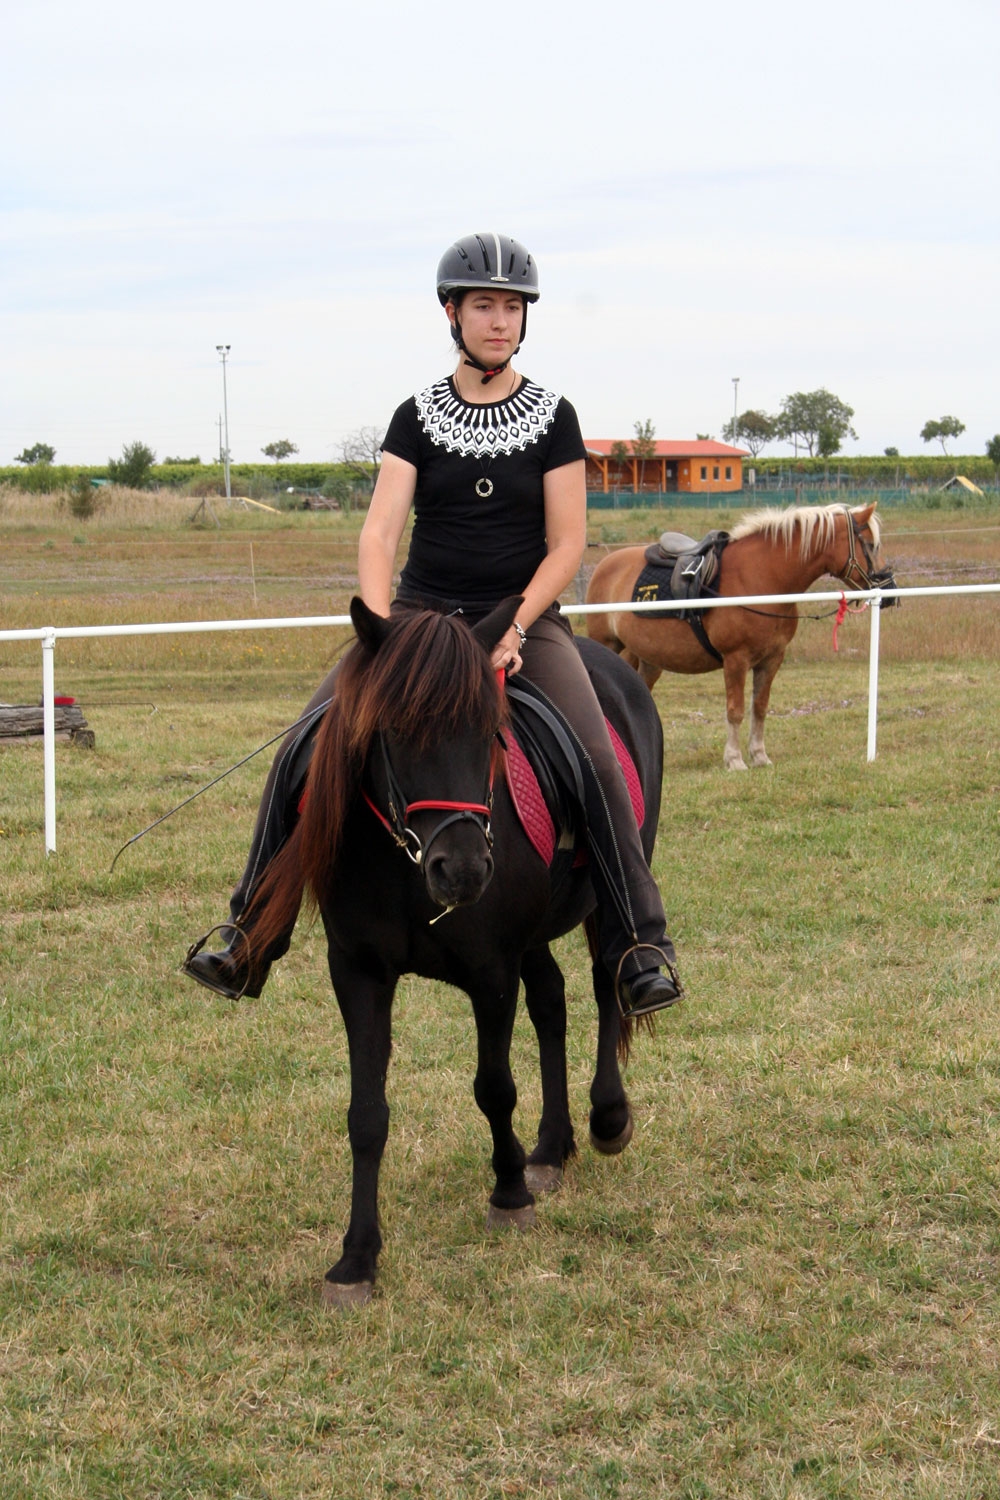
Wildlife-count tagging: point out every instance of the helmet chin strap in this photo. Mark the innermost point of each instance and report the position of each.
(470, 359)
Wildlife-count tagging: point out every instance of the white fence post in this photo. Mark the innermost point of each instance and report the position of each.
(49, 736)
(875, 613)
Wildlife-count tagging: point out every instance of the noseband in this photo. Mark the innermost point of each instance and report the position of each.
(866, 575)
(397, 821)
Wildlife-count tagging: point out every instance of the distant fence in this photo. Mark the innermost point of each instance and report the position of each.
(49, 635)
(779, 490)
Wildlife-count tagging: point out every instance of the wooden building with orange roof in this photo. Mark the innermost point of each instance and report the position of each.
(700, 465)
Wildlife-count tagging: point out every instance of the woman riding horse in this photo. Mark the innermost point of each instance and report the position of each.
(492, 465)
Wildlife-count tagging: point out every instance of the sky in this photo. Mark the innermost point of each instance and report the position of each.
(789, 196)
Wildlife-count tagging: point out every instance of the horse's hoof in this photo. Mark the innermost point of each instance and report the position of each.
(511, 1218)
(346, 1293)
(617, 1144)
(539, 1178)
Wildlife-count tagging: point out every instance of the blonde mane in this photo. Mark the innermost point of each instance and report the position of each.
(814, 523)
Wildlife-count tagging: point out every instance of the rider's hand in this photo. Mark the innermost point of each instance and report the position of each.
(507, 653)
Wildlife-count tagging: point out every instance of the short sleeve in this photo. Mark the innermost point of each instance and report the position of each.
(565, 443)
(403, 436)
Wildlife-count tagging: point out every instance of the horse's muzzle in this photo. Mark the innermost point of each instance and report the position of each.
(883, 579)
(454, 879)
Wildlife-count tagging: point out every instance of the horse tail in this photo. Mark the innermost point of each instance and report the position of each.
(626, 1025)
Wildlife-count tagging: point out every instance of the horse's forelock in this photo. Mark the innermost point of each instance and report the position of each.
(429, 678)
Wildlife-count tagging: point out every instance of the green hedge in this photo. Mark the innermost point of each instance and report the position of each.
(277, 477)
(918, 468)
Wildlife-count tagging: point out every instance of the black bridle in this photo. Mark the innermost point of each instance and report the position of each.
(396, 818)
(866, 576)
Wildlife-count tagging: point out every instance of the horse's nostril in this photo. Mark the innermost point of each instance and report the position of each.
(458, 882)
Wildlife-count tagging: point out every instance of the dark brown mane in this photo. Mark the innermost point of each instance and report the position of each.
(429, 680)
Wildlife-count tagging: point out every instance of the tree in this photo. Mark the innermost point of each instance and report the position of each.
(192, 461)
(819, 418)
(38, 453)
(643, 445)
(993, 450)
(944, 427)
(751, 428)
(279, 450)
(828, 441)
(361, 452)
(892, 453)
(620, 456)
(82, 498)
(132, 469)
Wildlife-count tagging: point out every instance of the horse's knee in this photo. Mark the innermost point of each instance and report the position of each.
(495, 1092)
(368, 1126)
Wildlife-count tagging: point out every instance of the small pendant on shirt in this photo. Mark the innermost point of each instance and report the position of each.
(484, 488)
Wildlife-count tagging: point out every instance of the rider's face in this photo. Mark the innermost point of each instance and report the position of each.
(491, 324)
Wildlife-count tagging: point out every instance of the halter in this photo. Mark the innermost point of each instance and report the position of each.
(866, 576)
(397, 823)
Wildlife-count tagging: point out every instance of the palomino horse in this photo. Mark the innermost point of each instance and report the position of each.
(768, 552)
(408, 762)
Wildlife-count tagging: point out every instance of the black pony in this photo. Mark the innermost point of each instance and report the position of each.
(410, 845)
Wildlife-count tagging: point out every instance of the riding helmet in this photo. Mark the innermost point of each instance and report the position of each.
(491, 261)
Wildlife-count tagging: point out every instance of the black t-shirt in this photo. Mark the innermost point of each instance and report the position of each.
(479, 518)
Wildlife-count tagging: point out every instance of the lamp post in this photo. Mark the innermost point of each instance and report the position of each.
(736, 400)
(223, 352)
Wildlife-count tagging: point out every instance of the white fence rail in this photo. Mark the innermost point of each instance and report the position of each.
(50, 634)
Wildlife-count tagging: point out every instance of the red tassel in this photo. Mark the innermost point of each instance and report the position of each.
(841, 614)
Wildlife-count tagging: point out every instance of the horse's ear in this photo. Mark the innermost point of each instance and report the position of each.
(497, 622)
(371, 629)
(864, 513)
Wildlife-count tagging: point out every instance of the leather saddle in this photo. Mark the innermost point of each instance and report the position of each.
(545, 773)
(678, 567)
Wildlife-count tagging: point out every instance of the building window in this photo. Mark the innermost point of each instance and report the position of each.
(715, 471)
(704, 471)
(729, 471)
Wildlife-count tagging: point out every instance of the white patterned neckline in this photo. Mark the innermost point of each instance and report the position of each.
(475, 431)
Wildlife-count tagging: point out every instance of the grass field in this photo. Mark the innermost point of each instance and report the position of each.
(786, 1287)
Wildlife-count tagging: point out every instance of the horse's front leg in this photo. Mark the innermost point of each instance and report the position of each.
(734, 670)
(545, 996)
(763, 676)
(494, 1003)
(610, 1111)
(366, 1006)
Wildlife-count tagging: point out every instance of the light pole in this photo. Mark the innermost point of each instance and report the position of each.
(223, 352)
(736, 401)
